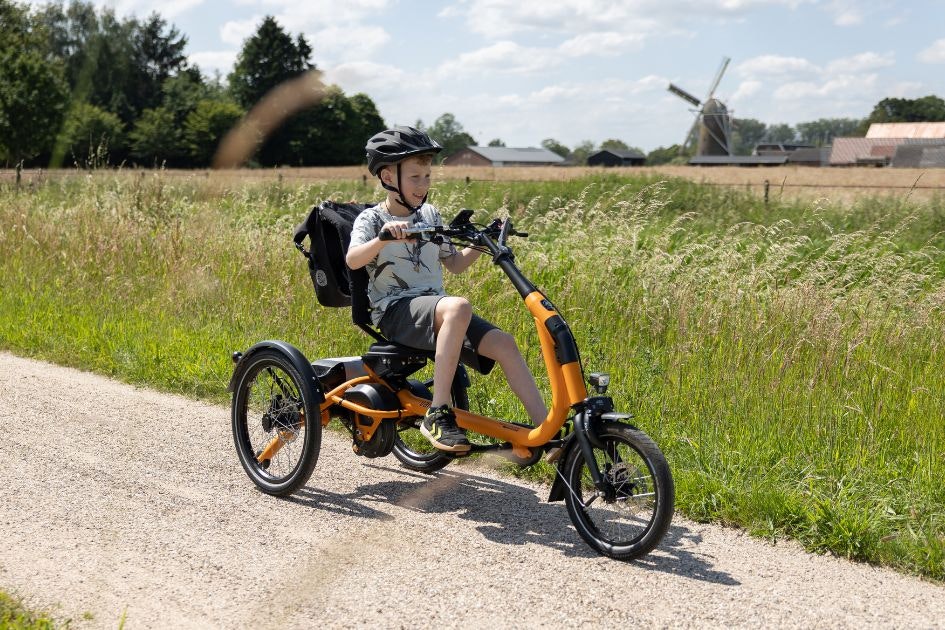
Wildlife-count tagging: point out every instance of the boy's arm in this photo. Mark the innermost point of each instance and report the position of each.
(362, 253)
(461, 260)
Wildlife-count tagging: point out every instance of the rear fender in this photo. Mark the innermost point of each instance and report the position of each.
(292, 354)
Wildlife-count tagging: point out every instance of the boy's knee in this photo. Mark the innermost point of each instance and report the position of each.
(502, 344)
(456, 308)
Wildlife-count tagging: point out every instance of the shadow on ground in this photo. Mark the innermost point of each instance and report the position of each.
(505, 513)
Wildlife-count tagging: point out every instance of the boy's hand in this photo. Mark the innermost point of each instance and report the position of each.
(395, 229)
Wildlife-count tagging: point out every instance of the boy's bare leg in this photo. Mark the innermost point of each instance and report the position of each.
(450, 322)
(501, 346)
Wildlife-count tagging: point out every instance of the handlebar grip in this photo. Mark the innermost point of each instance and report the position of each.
(410, 235)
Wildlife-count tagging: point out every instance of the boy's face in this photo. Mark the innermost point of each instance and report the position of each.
(414, 178)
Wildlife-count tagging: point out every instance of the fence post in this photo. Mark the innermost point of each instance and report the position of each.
(767, 186)
(364, 180)
(19, 172)
(467, 180)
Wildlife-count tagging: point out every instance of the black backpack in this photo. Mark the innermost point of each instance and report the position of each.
(328, 227)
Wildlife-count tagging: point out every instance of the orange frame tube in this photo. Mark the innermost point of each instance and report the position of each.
(567, 389)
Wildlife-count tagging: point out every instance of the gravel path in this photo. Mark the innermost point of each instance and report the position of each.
(123, 501)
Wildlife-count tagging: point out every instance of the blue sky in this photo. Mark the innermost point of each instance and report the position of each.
(575, 70)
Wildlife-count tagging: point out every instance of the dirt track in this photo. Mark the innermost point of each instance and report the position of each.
(118, 500)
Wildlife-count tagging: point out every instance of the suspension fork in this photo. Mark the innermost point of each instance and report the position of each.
(586, 435)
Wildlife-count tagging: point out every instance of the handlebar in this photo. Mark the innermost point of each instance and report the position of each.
(462, 229)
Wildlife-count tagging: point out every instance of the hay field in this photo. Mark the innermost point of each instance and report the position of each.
(784, 182)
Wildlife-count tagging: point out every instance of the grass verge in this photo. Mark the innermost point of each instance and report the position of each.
(784, 356)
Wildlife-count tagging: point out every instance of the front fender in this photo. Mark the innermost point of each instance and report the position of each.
(292, 354)
(558, 487)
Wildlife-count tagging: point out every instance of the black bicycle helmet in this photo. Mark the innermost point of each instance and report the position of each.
(392, 146)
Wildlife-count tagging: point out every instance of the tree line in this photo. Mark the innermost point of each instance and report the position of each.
(79, 86)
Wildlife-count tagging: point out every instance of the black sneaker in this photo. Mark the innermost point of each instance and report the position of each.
(439, 426)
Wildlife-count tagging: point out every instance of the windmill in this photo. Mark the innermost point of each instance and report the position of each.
(715, 130)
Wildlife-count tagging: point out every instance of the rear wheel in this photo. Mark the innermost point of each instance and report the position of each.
(410, 447)
(635, 517)
(276, 422)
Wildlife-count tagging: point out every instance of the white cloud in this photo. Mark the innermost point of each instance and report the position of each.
(861, 63)
(505, 57)
(213, 60)
(320, 13)
(746, 89)
(342, 44)
(143, 8)
(846, 12)
(846, 86)
(768, 65)
(502, 18)
(607, 43)
(236, 32)
(366, 76)
(934, 53)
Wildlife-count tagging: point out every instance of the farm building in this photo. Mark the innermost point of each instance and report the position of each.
(878, 151)
(778, 148)
(903, 145)
(616, 157)
(503, 156)
(907, 130)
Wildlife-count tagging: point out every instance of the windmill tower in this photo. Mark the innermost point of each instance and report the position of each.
(712, 122)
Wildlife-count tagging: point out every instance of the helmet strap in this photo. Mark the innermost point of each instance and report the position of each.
(400, 195)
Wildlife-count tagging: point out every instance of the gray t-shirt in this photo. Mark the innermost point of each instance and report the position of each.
(401, 270)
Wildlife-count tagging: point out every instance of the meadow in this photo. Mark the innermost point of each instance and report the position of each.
(786, 356)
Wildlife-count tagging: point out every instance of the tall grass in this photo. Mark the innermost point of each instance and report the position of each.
(786, 357)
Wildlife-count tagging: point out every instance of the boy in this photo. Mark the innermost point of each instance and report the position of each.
(408, 302)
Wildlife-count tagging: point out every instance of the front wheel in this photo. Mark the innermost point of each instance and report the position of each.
(277, 426)
(635, 517)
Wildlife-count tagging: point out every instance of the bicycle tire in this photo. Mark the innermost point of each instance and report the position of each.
(640, 478)
(287, 412)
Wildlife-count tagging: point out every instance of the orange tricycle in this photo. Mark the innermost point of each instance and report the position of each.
(613, 478)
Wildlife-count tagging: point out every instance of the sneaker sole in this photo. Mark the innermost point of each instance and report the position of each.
(456, 448)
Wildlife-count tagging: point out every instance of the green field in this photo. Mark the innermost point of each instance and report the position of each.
(787, 358)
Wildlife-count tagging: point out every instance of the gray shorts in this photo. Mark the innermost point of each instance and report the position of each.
(409, 322)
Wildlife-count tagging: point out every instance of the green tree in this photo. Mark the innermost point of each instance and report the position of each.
(449, 133)
(267, 59)
(90, 134)
(155, 139)
(496, 142)
(183, 91)
(665, 155)
(581, 152)
(158, 55)
(781, 133)
(33, 91)
(206, 125)
(367, 122)
(119, 65)
(822, 131)
(332, 135)
(556, 147)
(746, 133)
(926, 109)
(618, 145)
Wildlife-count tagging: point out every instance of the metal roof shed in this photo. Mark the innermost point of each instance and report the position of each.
(616, 157)
(503, 156)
